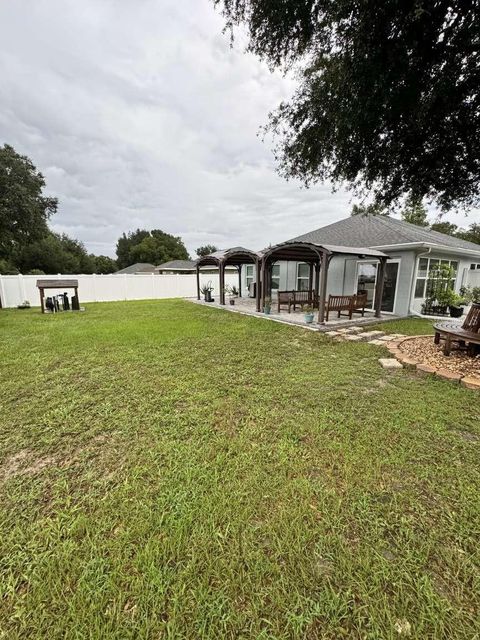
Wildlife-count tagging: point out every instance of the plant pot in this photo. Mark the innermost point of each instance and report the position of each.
(308, 317)
(266, 310)
(232, 301)
(208, 296)
(456, 312)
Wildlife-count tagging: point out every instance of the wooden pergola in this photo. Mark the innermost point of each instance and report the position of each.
(317, 256)
(42, 285)
(237, 256)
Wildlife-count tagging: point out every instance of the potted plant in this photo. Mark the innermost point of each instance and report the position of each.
(232, 292)
(206, 291)
(456, 306)
(24, 305)
(267, 306)
(308, 313)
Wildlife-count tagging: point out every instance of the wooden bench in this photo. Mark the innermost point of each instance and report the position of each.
(466, 335)
(349, 304)
(296, 298)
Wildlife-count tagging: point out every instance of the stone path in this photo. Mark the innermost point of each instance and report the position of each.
(399, 359)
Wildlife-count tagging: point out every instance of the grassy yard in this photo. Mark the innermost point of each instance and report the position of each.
(173, 471)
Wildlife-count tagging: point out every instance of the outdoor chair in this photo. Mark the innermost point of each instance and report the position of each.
(467, 335)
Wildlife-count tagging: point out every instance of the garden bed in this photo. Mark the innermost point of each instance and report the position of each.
(423, 349)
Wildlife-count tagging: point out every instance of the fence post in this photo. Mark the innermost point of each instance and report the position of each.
(3, 302)
(21, 286)
(94, 287)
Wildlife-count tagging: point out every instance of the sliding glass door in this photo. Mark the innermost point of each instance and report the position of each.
(367, 281)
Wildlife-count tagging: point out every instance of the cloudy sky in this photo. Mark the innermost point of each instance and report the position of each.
(140, 114)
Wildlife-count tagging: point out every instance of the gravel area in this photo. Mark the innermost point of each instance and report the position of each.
(425, 351)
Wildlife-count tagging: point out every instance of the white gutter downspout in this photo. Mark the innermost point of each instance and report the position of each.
(412, 311)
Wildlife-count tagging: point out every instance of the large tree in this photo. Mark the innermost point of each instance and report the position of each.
(472, 234)
(371, 209)
(388, 97)
(415, 213)
(206, 250)
(55, 253)
(154, 246)
(24, 208)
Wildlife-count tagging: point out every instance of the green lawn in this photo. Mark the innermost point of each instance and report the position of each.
(407, 326)
(174, 471)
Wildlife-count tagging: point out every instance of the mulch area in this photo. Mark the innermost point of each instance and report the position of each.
(425, 351)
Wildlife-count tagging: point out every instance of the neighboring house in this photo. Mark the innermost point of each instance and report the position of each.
(186, 267)
(138, 267)
(176, 266)
(412, 250)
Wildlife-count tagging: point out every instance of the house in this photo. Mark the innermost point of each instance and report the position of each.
(176, 266)
(138, 267)
(412, 251)
(185, 267)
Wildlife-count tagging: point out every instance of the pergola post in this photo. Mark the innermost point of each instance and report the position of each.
(257, 285)
(263, 278)
(221, 267)
(379, 287)
(323, 288)
(310, 278)
(317, 278)
(198, 282)
(42, 299)
(239, 280)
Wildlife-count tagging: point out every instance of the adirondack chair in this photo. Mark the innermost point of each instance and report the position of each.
(466, 335)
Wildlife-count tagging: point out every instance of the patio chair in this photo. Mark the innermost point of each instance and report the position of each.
(467, 335)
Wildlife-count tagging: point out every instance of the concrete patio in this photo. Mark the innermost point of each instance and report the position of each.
(246, 306)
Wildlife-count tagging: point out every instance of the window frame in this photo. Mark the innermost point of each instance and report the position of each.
(431, 262)
(299, 278)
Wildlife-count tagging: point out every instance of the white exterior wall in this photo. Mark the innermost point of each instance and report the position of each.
(472, 278)
(463, 275)
(104, 288)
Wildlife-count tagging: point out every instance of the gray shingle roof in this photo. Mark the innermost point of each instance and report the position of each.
(379, 231)
(185, 265)
(138, 267)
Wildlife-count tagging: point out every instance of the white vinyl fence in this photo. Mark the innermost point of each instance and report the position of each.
(104, 288)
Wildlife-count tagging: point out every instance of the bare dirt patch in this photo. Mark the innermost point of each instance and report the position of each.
(24, 462)
(425, 351)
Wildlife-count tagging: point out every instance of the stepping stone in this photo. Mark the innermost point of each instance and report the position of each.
(353, 338)
(390, 363)
(332, 334)
(371, 335)
(377, 343)
(355, 329)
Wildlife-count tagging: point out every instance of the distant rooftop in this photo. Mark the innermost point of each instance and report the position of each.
(178, 265)
(380, 231)
(138, 267)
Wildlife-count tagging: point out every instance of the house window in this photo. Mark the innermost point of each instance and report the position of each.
(249, 275)
(423, 285)
(475, 265)
(303, 276)
(275, 276)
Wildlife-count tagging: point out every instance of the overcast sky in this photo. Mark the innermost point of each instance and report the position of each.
(140, 114)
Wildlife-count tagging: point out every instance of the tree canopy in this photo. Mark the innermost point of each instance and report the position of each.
(388, 98)
(206, 250)
(415, 212)
(24, 208)
(154, 247)
(371, 209)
